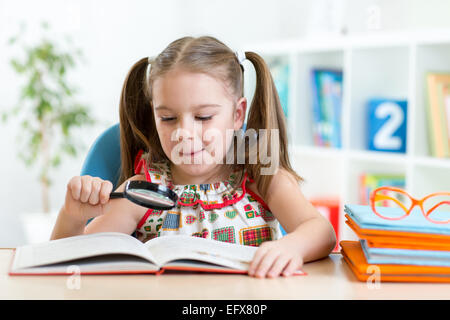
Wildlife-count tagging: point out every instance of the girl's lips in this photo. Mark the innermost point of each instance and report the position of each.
(192, 153)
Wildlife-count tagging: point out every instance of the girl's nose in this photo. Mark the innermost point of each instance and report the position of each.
(188, 129)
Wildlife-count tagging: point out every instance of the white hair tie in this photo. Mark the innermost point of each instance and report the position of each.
(240, 55)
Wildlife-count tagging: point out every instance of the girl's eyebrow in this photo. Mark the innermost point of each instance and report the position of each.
(162, 107)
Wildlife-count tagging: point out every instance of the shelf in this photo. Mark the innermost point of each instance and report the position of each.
(432, 162)
(378, 156)
(431, 57)
(345, 42)
(319, 152)
(385, 76)
(377, 65)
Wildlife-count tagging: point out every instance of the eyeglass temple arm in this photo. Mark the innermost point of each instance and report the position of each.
(379, 197)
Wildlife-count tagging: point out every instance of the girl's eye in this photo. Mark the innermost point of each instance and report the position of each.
(198, 118)
(204, 118)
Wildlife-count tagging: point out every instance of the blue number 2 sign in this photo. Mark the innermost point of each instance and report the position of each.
(387, 125)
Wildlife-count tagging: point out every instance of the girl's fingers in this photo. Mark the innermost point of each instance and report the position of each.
(86, 188)
(95, 191)
(278, 266)
(292, 266)
(266, 263)
(259, 254)
(74, 187)
(106, 189)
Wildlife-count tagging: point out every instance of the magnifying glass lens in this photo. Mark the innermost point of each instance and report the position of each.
(149, 196)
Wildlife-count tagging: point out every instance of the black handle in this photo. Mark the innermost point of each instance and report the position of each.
(116, 195)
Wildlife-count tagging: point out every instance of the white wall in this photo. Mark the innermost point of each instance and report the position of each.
(113, 35)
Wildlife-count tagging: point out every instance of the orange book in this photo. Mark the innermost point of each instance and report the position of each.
(400, 239)
(355, 259)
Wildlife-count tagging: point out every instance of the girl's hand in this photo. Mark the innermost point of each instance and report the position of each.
(86, 196)
(276, 257)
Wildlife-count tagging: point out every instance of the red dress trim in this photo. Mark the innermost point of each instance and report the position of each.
(218, 205)
(144, 218)
(138, 163)
(258, 198)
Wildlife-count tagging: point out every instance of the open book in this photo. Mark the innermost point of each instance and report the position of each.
(115, 253)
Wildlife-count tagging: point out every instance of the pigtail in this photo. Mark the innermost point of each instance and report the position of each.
(137, 124)
(267, 113)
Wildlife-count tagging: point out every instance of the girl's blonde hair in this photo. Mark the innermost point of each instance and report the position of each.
(210, 56)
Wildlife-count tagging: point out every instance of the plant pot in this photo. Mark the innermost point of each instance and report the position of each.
(38, 226)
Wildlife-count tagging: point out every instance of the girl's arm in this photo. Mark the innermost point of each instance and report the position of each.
(88, 197)
(310, 236)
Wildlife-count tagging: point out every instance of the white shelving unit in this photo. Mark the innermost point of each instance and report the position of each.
(385, 65)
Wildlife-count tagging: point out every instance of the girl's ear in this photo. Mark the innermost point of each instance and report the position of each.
(239, 113)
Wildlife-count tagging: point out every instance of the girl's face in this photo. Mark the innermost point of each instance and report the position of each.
(195, 116)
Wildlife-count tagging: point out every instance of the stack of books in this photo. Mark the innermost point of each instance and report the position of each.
(412, 249)
(438, 113)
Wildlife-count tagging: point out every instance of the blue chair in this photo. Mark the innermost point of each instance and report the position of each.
(103, 158)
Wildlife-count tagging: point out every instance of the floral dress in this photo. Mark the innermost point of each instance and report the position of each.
(210, 211)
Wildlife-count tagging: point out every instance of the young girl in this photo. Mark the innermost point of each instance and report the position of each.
(168, 108)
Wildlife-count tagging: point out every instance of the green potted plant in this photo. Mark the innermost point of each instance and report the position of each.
(47, 107)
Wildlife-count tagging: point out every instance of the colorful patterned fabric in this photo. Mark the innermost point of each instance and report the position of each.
(254, 236)
(210, 211)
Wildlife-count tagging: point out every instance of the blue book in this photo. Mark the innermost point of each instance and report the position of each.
(365, 218)
(326, 82)
(386, 125)
(280, 70)
(405, 256)
(316, 109)
(336, 98)
(327, 105)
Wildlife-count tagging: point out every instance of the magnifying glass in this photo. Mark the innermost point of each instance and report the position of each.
(147, 194)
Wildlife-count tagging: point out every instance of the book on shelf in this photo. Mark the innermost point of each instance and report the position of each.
(327, 106)
(370, 181)
(437, 113)
(444, 107)
(329, 208)
(386, 123)
(118, 253)
(280, 70)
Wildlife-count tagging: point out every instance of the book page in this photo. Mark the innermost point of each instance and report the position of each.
(79, 247)
(109, 264)
(197, 265)
(169, 248)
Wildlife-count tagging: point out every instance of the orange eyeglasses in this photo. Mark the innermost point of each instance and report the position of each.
(435, 206)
